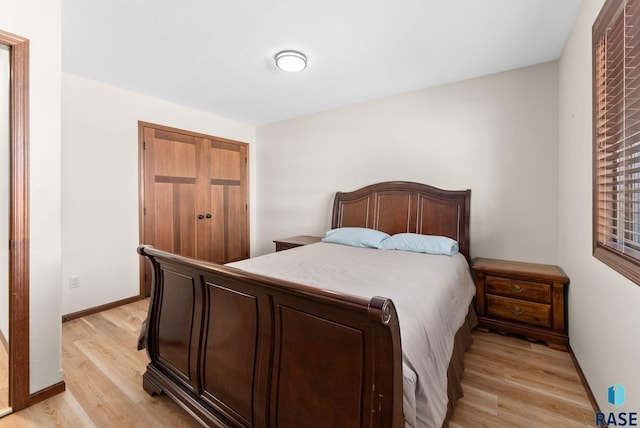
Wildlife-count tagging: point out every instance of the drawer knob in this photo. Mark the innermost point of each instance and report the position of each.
(516, 288)
(516, 310)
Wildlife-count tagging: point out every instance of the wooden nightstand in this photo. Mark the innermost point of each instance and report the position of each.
(295, 241)
(523, 298)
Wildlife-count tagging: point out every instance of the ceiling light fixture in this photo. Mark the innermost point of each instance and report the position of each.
(291, 61)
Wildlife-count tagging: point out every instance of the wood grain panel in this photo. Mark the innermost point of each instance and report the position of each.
(355, 213)
(216, 233)
(175, 159)
(437, 217)
(394, 212)
(179, 180)
(225, 162)
(163, 216)
(236, 220)
(323, 379)
(222, 144)
(186, 219)
(175, 218)
(230, 347)
(228, 223)
(176, 317)
(170, 134)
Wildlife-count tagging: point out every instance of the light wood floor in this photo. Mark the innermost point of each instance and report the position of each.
(508, 382)
(4, 377)
(511, 382)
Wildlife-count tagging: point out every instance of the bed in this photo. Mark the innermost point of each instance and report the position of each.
(268, 342)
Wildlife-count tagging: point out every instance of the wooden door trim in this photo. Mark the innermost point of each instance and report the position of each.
(141, 180)
(142, 125)
(19, 397)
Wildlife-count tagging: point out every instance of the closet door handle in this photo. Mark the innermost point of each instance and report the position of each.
(208, 215)
(200, 216)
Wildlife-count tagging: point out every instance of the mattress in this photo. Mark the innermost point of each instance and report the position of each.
(431, 293)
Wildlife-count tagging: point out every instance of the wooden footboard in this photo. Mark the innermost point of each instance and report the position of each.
(240, 350)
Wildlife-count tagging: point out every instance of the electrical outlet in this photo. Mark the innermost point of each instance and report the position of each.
(74, 282)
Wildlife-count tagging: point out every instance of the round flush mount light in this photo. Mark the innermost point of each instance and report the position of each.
(291, 61)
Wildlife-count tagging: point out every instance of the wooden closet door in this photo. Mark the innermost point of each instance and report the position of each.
(195, 196)
(171, 165)
(226, 190)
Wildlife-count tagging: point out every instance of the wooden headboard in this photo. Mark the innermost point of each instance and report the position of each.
(401, 206)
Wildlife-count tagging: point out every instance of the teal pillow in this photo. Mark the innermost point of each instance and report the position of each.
(430, 244)
(355, 237)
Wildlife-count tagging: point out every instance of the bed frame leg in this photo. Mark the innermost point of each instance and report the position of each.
(150, 385)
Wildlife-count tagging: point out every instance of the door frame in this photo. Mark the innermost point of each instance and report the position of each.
(19, 397)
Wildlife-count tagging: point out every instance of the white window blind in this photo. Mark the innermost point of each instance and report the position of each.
(616, 78)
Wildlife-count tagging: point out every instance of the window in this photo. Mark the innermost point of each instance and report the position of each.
(616, 137)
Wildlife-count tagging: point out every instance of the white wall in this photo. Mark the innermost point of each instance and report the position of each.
(100, 184)
(40, 22)
(496, 135)
(604, 307)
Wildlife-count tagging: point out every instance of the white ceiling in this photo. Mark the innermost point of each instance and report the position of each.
(217, 55)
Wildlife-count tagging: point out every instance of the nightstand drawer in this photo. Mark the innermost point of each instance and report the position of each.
(519, 310)
(281, 246)
(519, 289)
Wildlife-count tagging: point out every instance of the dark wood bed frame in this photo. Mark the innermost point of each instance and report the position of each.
(237, 349)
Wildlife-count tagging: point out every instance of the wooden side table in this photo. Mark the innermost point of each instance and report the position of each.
(523, 298)
(295, 241)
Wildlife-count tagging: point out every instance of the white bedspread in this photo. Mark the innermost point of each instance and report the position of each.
(431, 294)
